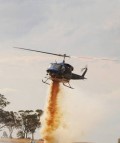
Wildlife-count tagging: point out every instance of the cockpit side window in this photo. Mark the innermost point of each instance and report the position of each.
(54, 66)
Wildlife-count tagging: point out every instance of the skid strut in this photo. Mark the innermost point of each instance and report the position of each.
(45, 81)
(68, 85)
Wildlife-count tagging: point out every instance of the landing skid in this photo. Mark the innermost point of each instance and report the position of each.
(69, 86)
(45, 81)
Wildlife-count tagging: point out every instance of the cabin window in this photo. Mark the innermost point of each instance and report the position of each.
(54, 66)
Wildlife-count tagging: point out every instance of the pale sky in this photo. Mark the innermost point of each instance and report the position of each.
(75, 27)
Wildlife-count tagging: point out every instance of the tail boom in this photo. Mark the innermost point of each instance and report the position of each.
(77, 77)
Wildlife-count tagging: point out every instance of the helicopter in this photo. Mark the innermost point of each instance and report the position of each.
(60, 72)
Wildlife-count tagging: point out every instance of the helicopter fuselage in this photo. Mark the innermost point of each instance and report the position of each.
(61, 72)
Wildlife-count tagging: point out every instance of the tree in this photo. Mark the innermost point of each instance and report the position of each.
(24, 121)
(5, 135)
(20, 134)
(30, 121)
(39, 113)
(33, 123)
(3, 101)
(3, 104)
(12, 121)
(2, 118)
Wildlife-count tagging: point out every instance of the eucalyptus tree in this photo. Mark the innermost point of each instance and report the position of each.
(39, 113)
(3, 101)
(30, 122)
(3, 104)
(24, 115)
(12, 121)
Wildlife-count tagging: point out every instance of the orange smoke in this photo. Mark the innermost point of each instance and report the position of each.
(53, 115)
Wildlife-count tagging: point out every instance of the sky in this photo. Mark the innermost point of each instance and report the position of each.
(74, 27)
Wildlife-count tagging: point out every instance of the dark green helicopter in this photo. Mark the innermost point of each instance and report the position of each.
(60, 72)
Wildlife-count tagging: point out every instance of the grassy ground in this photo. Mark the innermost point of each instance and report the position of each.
(6, 140)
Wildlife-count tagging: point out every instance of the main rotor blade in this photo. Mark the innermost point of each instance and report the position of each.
(64, 55)
(95, 58)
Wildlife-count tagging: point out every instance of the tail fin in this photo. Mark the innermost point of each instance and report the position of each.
(82, 77)
(85, 70)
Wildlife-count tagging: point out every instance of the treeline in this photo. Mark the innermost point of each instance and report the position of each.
(24, 121)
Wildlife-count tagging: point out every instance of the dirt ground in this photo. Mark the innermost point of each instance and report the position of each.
(6, 140)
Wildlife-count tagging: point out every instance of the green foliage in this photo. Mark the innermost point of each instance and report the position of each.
(11, 121)
(30, 121)
(39, 113)
(3, 101)
(20, 134)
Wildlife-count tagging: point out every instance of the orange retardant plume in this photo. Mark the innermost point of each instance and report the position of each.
(53, 115)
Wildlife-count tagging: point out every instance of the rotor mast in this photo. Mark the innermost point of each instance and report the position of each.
(64, 56)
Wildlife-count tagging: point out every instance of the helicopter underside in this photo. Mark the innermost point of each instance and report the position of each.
(58, 78)
(56, 75)
(61, 79)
